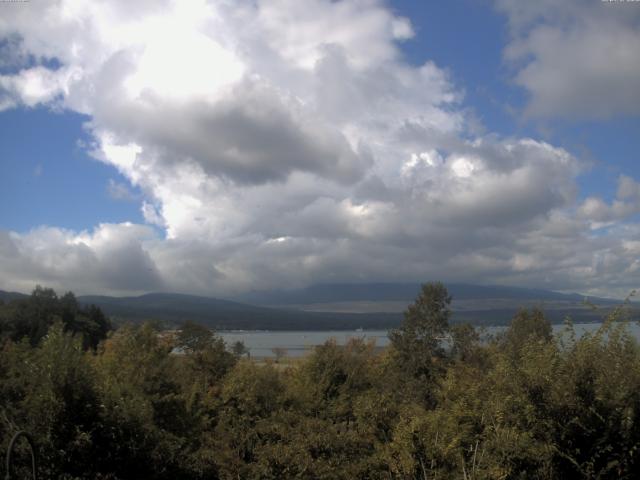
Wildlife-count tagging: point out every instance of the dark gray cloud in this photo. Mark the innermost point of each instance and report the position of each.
(110, 259)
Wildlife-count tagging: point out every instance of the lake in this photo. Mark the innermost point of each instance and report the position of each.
(299, 343)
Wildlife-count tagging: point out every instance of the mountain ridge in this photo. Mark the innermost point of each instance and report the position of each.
(381, 291)
(324, 306)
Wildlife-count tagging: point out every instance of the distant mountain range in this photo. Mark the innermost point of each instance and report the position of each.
(8, 296)
(341, 292)
(175, 308)
(477, 304)
(341, 306)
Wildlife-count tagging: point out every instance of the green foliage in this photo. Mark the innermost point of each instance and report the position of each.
(194, 337)
(148, 404)
(32, 317)
(417, 343)
(207, 358)
(527, 327)
(464, 342)
(239, 349)
(426, 320)
(49, 391)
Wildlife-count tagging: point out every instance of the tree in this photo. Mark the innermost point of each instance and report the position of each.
(279, 352)
(206, 353)
(33, 316)
(417, 343)
(49, 391)
(464, 341)
(88, 321)
(239, 348)
(527, 327)
(194, 337)
(145, 416)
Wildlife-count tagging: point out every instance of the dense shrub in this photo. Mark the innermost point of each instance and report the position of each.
(524, 405)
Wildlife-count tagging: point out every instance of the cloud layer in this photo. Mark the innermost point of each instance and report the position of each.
(576, 58)
(279, 142)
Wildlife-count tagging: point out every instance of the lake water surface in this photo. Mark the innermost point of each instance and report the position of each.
(299, 343)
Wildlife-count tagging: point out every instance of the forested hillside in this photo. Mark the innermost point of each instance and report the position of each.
(523, 405)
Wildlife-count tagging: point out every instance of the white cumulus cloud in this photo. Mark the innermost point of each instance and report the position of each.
(281, 142)
(576, 58)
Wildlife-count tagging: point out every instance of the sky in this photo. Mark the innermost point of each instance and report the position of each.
(219, 147)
